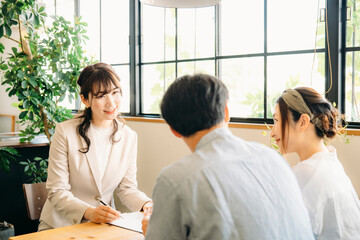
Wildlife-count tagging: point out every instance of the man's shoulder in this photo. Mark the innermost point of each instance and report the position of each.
(176, 173)
(245, 148)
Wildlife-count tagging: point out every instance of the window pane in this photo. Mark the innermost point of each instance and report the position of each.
(207, 67)
(115, 31)
(352, 85)
(290, 71)
(352, 25)
(196, 33)
(292, 25)
(124, 74)
(89, 10)
(66, 9)
(69, 101)
(49, 9)
(155, 80)
(242, 27)
(158, 31)
(244, 78)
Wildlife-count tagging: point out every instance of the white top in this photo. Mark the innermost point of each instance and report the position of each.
(329, 196)
(103, 143)
(228, 189)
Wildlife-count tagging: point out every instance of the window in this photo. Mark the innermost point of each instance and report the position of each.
(175, 42)
(258, 48)
(109, 30)
(352, 68)
(256, 57)
(66, 9)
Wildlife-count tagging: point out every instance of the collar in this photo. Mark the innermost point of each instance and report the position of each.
(210, 136)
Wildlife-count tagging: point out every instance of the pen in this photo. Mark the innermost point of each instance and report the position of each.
(104, 203)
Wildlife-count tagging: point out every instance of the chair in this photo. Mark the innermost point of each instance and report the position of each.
(7, 123)
(35, 197)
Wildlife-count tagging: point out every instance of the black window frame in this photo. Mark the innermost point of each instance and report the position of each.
(336, 25)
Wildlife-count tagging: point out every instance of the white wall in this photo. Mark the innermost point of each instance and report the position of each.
(157, 148)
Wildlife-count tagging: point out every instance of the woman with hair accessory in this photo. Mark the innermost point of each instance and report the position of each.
(93, 157)
(302, 119)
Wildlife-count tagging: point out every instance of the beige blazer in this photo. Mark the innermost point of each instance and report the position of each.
(74, 181)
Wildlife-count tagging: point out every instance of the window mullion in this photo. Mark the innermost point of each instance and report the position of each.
(134, 55)
(332, 83)
(265, 59)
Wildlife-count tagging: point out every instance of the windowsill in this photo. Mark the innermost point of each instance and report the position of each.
(355, 132)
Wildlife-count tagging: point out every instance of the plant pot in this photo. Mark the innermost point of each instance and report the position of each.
(6, 230)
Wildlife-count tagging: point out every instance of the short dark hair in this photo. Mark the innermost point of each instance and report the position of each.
(194, 103)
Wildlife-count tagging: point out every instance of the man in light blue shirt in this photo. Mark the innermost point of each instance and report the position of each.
(227, 188)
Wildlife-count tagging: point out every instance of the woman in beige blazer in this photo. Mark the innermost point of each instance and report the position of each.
(92, 157)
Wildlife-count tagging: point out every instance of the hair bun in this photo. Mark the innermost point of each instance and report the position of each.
(330, 122)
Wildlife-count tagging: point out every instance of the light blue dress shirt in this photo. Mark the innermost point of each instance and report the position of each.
(228, 189)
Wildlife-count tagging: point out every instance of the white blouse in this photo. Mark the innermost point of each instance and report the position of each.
(103, 143)
(329, 196)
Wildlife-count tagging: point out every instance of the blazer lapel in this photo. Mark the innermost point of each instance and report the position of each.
(91, 157)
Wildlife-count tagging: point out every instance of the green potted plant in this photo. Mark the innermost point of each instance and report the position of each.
(43, 69)
(39, 65)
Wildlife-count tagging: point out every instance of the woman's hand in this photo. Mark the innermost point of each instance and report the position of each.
(101, 214)
(144, 223)
(147, 208)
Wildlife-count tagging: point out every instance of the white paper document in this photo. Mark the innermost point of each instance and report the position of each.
(131, 221)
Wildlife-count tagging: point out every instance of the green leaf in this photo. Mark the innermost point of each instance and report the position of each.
(62, 98)
(14, 49)
(31, 116)
(24, 83)
(19, 4)
(12, 22)
(41, 9)
(12, 92)
(7, 30)
(15, 104)
(1, 31)
(36, 20)
(26, 104)
(3, 67)
(23, 114)
(83, 24)
(33, 82)
(35, 101)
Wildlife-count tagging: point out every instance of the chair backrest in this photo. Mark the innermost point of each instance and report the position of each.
(35, 197)
(7, 123)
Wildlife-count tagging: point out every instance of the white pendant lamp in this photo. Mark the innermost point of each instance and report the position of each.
(181, 3)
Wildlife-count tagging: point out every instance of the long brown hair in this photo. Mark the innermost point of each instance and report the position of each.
(319, 106)
(92, 79)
